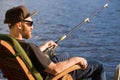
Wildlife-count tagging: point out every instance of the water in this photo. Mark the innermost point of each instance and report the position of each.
(97, 40)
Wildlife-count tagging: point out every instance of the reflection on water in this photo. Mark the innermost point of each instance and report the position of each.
(97, 40)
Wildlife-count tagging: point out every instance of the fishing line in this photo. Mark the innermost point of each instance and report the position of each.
(86, 20)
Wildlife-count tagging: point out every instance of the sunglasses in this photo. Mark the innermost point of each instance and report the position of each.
(29, 23)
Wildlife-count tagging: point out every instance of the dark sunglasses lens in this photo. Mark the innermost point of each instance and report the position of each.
(29, 23)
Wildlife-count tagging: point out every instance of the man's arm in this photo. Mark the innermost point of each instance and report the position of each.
(55, 68)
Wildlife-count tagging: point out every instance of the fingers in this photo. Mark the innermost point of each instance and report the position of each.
(51, 43)
(47, 45)
(83, 63)
(84, 66)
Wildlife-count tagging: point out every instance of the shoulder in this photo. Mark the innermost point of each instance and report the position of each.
(24, 43)
(28, 46)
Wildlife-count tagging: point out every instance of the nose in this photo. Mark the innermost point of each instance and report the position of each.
(31, 27)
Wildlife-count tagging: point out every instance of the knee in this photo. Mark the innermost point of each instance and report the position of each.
(99, 66)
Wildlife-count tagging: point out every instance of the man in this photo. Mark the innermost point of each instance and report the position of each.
(21, 24)
(117, 72)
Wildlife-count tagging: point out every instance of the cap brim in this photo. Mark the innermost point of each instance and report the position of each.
(33, 13)
(28, 19)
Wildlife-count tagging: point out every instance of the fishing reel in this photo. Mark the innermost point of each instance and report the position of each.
(50, 52)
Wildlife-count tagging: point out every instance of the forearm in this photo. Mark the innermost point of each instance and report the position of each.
(61, 66)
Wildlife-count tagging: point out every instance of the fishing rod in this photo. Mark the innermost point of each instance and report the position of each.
(86, 20)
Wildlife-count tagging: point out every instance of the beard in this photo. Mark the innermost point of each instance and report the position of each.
(26, 32)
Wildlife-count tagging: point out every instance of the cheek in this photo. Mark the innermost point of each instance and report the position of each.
(26, 32)
(25, 28)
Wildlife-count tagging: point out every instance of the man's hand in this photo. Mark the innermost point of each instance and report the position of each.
(83, 63)
(47, 45)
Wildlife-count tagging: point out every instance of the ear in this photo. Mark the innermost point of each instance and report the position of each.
(19, 25)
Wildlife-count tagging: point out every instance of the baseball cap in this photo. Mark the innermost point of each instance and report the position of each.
(17, 14)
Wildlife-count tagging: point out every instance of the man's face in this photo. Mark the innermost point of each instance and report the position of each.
(26, 29)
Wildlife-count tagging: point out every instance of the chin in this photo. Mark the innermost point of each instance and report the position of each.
(27, 36)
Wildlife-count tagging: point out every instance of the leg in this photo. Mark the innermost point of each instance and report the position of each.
(117, 73)
(94, 71)
(60, 57)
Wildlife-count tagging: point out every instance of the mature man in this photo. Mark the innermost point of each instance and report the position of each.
(21, 24)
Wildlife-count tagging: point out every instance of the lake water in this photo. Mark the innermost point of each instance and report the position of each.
(99, 39)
